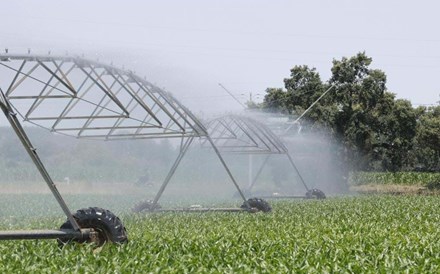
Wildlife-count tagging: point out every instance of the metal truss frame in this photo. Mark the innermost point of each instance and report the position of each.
(91, 100)
(242, 134)
(104, 101)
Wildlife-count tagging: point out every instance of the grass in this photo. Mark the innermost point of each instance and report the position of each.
(347, 234)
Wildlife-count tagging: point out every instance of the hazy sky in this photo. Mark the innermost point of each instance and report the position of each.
(188, 47)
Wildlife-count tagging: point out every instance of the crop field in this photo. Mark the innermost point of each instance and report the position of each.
(397, 178)
(344, 234)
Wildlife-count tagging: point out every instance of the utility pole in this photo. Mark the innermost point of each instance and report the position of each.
(251, 97)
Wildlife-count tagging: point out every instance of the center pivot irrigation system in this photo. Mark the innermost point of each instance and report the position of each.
(227, 134)
(241, 134)
(89, 100)
(235, 134)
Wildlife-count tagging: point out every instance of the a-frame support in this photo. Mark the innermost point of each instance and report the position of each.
(32, 152)
(183, 150)
(249, 189)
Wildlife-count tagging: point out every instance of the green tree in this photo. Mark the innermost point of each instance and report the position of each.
(274, 100)
(375, 130)
(427, 142)
(397, 122)
(302, 88)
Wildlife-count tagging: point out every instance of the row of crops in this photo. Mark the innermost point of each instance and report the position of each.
(397, 178)
(350, 234)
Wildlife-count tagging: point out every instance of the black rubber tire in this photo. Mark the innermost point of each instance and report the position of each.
(107, 224)
(315, 193)
(145, 206)
(258, 203)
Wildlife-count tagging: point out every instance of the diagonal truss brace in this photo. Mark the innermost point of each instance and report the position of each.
(12, 119)
(254, 180)
(184, 148)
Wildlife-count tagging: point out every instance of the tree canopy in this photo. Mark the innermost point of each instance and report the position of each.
(376, 130)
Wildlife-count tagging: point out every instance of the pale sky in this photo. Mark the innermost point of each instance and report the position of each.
(188, 47)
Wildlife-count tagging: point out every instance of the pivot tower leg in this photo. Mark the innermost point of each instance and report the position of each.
(297, 171)
(228, 171)
(11, 116)
(258, 173)
(183, 150)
